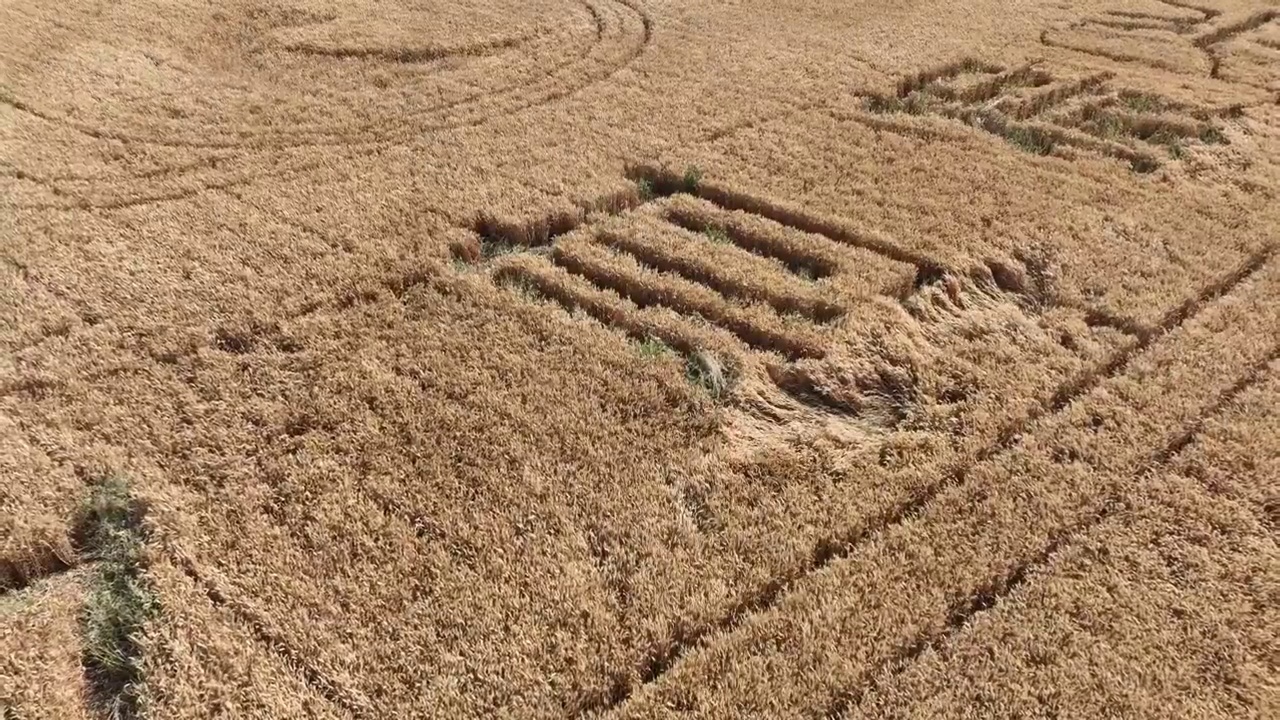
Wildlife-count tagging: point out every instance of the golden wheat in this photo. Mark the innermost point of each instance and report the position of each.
(619, 358)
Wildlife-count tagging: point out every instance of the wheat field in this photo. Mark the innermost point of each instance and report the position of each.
(639, 358)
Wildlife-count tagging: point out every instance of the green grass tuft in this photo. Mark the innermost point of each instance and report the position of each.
(645, 189)
(692, 179)
(717, 235)
(918, 102)
(882, 105)
(492, 247)
(525, 289)
(119, 601)
(1211, 135)
(1142, 102)
(1029, 139)
(652, 347)
(1109, 127)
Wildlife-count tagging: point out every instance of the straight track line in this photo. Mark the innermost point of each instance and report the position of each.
(989, 595)
(832, 549)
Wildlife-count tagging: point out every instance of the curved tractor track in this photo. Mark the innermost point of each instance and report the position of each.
(473, 82)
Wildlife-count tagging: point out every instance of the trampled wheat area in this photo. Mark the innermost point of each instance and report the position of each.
(637, 358)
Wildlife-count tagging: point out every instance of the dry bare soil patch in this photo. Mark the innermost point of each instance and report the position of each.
(633, 358)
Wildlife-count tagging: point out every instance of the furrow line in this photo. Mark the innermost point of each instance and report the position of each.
(1043, 136)
(49, 183)
(475, 99)
(473, 110)
(405, 55)
(13, 578)
(660, 660)
(1105, 54)
(285, 220)
(791, 110)
(927, 131)
(1171, 320)
(497, 230)
(1227, 32)
(665, 182)
(1207, 42)
(1140, 24)
(991, 593)
(801, 262)
(808, 222)
(1056, 96)
(100, 133)
(708, 274)
(910, 84)
(655, 290)
(1149, 16)
(961, 614)
(575, 293)
(1208, 12)
(345, 698)
(1028, 74)
(225, 185)
(545, 95)
(1255, 375)
(831, 549)
(1103, 318)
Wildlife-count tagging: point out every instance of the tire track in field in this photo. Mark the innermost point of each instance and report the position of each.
(1112, 55)
(84, 202)
(1208, 42)
(478, 104)
(1208, 12)
(346, 698)
(160, 171)
(992, 592)
(44, 182)
(622, 30)
(301, 226)
(1170, 321)
(832, 549)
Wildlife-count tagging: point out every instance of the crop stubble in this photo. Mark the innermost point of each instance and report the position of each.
(400, 363)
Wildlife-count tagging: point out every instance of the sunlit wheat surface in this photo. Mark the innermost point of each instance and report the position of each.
(639, 358)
